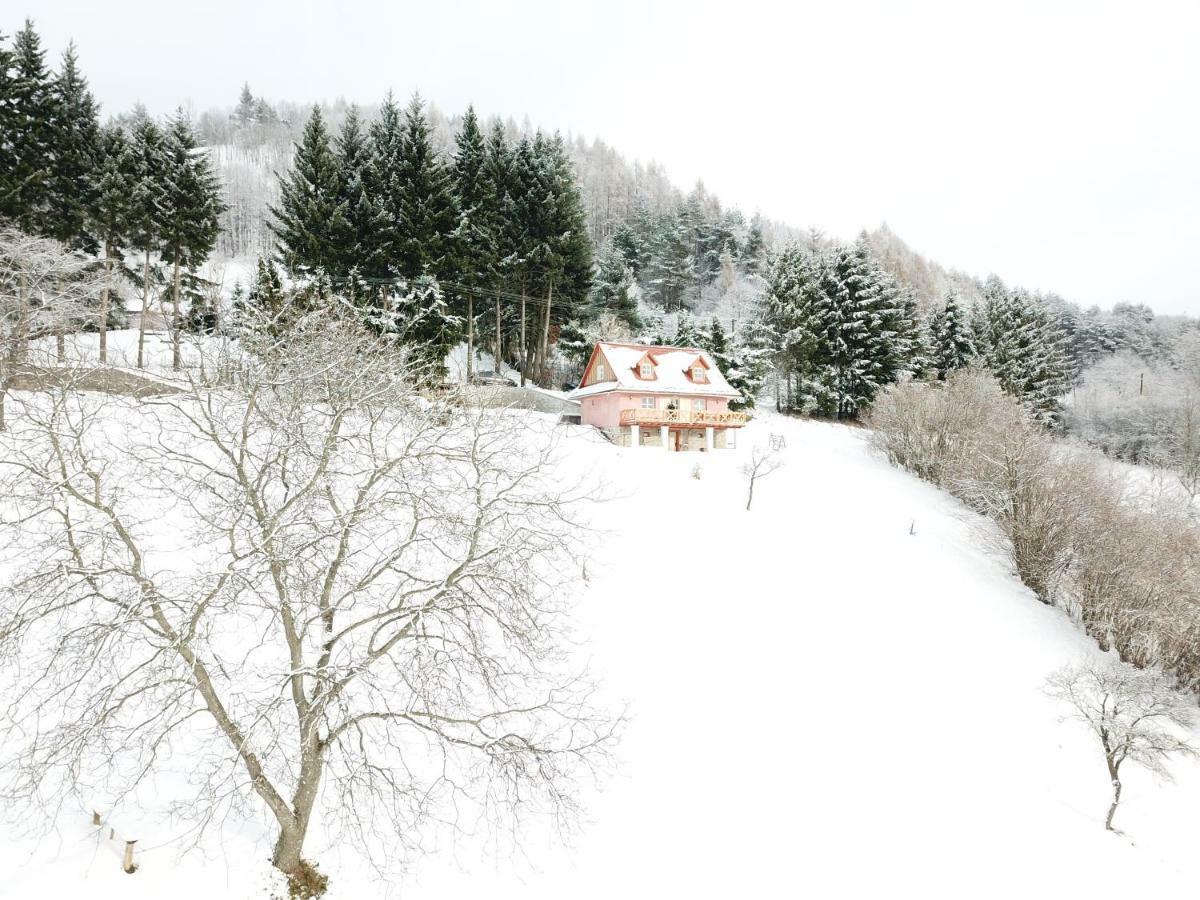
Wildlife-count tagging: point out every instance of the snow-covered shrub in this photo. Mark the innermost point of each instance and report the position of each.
(1127, 568)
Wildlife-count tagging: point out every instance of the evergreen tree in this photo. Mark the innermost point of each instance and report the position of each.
(751, 361)
(1023, 348)
(423, 204)
(146, 207)
(504, 227)
(112, 216)
(951, 336)
(191, 208)
(686, 333)
(72, 179)
(27, 198)
(310, 219)
(673, 271)
(384, 189)
(476, 243)
(754, 251)
(358, 245)
(7, 126)
(613, 287)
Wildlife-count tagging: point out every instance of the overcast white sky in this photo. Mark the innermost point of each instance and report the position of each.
(1056, 144)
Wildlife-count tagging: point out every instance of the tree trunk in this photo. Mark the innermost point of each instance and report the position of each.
(544, 352)
(21, 339)
(1112, 809)
(102, 323)
(524, 354)
(176, 319)
(470, 336)
(141, 360)
(499, 367)
(288, 855)
(60, 345)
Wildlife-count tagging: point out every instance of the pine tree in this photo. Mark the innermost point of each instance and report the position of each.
(27, 198)
(384, 189)
(72, 178)
(673, 270)
(191, 208)
(145, 210)
(951, 336)
(310, 219)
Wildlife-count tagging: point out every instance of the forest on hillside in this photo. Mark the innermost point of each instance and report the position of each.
(530, 245)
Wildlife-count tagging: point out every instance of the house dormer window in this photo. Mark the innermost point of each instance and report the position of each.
(646, 369)
(698, 373)
(599, 371)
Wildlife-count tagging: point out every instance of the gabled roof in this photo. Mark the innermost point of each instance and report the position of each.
(672, 371)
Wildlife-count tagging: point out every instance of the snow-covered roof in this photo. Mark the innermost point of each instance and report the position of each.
(672, 371)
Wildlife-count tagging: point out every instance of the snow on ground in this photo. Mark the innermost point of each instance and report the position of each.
(835, 694)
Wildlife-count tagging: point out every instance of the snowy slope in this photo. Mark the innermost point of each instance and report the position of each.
(823, 704)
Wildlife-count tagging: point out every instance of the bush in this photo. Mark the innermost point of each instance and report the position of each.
(1126, 567)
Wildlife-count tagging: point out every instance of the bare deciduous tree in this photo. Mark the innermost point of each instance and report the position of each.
(762, 463)
(1136, 714)
(346, 596)
(44, 290)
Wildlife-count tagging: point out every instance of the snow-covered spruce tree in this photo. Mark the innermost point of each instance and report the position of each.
(421, 203)
(506, 228)
(311, 658)
(1021, 345)
(613, 287)
(950, 333)
(383, 175)
(791, 304)
(416, 315)
(25, 196)
(146, 213)
(72, 179)
(750, 364)
(476, 242)
(687, 334)
(191, 211)
(310, 221)
(558, 251)
(358, 245)
(111, 218)
(753, 252)
(7, 115)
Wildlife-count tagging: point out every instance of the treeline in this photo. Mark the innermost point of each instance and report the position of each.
(129, 187)
(498, 227)
(841, 326)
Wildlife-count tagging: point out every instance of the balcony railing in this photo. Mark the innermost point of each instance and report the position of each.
(683, 417)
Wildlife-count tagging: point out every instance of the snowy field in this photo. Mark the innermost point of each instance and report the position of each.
(836, 694)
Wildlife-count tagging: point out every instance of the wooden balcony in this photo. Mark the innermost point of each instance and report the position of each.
(683, 418)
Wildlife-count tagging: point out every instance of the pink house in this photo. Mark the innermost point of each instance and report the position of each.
(672, 397)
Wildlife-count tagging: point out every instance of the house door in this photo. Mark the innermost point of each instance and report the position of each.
(678, 439)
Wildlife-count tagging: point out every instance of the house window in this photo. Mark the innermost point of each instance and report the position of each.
(647, 370)
(697, 373)
(599, 371)
(647, 403)
(699, 405)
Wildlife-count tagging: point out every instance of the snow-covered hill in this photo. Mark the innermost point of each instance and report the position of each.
(835, 694)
